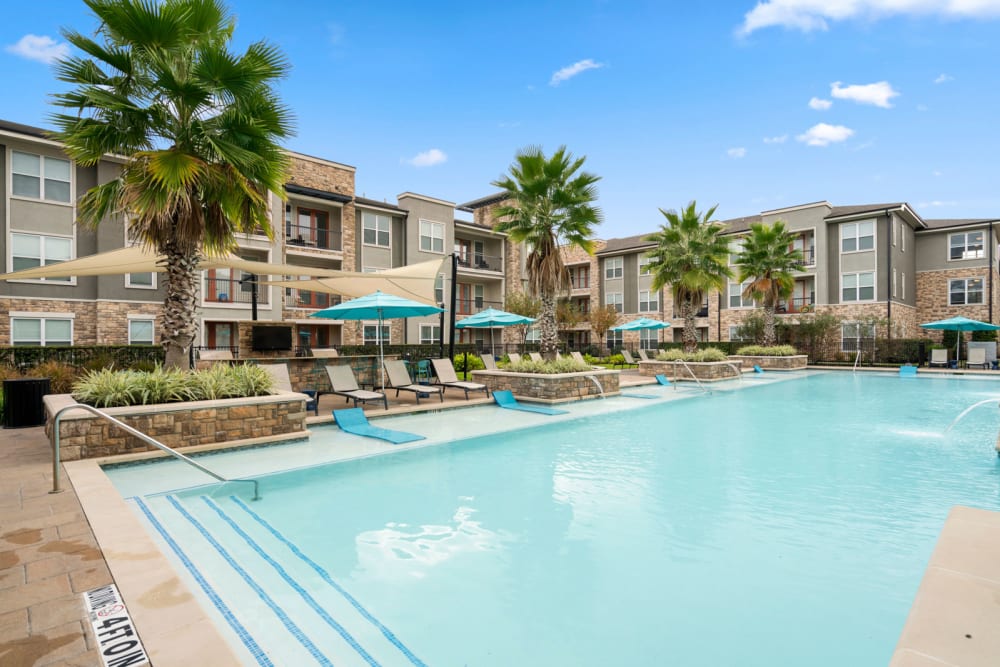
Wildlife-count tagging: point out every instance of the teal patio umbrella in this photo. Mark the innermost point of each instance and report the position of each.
(960, 324)
(491, 317)
(643, 323)
(378, 306)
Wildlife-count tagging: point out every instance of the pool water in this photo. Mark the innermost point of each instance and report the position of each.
(786, 524)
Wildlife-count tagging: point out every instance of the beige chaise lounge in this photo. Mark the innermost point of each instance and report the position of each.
(282, 382)
(446, 376)
(344, 384)
(399, 379)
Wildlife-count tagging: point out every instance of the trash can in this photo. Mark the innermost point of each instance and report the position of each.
(23, 404)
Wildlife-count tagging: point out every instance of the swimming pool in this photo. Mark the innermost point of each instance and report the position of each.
(781, 524)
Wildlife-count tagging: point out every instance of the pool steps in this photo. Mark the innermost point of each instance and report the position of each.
(305, 617)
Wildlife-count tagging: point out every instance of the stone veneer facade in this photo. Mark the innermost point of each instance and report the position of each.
(932, 297)
(176, 425)
(94, 322)
(550, 388)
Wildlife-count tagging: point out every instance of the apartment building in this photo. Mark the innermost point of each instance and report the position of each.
(323, 224)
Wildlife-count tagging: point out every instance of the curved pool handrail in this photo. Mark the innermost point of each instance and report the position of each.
(138, 434)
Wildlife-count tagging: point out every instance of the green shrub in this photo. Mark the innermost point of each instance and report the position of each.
(761, 351)
(561, 365)
(107, 388)
(474, 363)
(705, 354)
(61, 376)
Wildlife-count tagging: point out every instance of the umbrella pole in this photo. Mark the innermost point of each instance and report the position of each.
(492, 352)
(381, 353)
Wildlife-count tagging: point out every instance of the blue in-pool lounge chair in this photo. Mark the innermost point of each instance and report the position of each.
(757, 369)
(353, 420)
(907, 371)
(662, 379)
(505, 399)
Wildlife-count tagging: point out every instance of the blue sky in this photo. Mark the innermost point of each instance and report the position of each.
(751, 106)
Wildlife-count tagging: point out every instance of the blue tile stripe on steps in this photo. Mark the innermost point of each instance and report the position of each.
(289, 624)
(303, 593)
(325, 576)
(245, 637)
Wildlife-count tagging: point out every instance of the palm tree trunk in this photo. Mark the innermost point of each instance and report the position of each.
(547, 325)
(770, 337)
(179, 306)
(690, 325)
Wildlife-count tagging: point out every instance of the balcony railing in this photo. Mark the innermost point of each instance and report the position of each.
(480, 262)
(312, 237)
(808, 257)
(300, 298)
(796, 305)
(465, 307)
(220, 290)
(702, 312)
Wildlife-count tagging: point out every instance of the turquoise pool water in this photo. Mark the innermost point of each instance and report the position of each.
(786, 524)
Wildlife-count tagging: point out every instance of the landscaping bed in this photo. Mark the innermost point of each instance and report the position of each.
(550, 387)
(704, 371)
(795, 362)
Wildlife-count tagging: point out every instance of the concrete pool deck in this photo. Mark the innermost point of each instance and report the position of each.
(42, 619)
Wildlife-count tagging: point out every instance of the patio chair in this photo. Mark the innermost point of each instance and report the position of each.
(489, 362)
(279, 372)
(445, 372)
(977, 357)
(939, 357)
(535, 356)
(627, 360)
(643, 355)
(577, 356)
(399, 379)
(344, 384)
(514, 357)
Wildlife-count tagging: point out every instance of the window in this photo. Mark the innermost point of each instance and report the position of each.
(735, 248)
(612, 268)
(736, 298)
(614, 339)
(140, 331)
(648, 339)
(854, 335)
(430, 334)
(431, 236)
(734, 333)
(644, 261)
(965, 292)
(965, 246)
(614, 299)
(375, 229)
(40, 177)
(648, 301)
(857, 236)
(534, 335)
(371, 334)
(439, 288)
(41, 331)
(138, 280)
(478, 294)
(579, 277)
(857, 286)
(31, 250)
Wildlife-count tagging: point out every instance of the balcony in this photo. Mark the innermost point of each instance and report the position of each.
(300, 298)
(313, 237)
(702, 312)
(808, 257)
(480, 262)
(466, 307)
(227, 290)
(796, 305)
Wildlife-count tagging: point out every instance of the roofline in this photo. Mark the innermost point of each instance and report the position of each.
(485, 201)
(316, 193)
(797, 207)
(966, 223)
(385, 208)
(320, 160)
(479, 228)
(433, 200)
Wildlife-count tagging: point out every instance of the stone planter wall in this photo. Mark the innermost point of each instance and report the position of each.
(793, 363)
(553, 388)
(706, 371)
(177, 425)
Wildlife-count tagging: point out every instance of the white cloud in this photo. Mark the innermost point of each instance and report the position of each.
(737, 153)
(780, 139)
(878, 94)
(427, 158)
(937, 172)
(809, 15)
(42, 48)
(937, 203)
(944, 78)
(823, 134)
(820, 104)
(567, 73)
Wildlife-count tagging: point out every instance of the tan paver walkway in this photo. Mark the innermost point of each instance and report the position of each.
(48, 557)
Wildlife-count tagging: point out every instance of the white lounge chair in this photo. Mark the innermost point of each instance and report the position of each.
(282, 382)
(343, 383)
(216, 355)
(535, 356)
(977, 357)
(577, 356)
(643, 355)
(627, 359)
(448, 378)
(939, 357)
(514, 357)
(399, 379)
(489, 362)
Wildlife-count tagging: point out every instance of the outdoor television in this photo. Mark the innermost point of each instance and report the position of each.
(271, 338)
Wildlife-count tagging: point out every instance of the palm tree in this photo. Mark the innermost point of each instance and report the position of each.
(692, 257)
(548, 204)
(769, 261)
(197, 126)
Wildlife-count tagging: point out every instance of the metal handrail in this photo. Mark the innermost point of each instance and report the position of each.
(700, 385)
(139, 434)
(856, 360)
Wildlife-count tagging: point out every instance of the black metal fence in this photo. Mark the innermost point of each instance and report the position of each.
(119, 356)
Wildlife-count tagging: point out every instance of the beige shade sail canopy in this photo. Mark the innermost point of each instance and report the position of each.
(415, 281)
